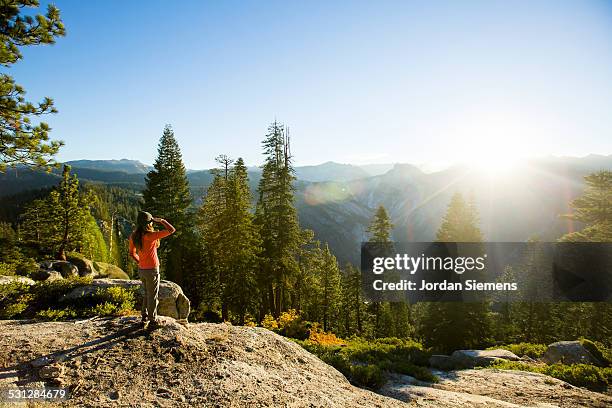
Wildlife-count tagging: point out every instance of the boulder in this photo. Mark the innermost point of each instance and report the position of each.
(4, 280)
(84, 265)
(441, 362)
(480, 358)
(569, 352)
(67, 269)
(106, 270)
(172, 301)
(46, 274)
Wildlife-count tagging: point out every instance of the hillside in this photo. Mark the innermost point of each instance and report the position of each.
(515, 206)
(111, 361)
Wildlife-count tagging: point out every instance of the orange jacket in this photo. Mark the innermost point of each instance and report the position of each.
(147, 255)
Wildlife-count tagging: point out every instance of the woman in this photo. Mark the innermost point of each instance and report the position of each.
(144, 242)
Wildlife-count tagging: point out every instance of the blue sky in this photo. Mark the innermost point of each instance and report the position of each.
(359, 82)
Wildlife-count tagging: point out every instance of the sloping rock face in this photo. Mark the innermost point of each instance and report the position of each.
(568, 352)
(493, 388)
(172, 301)
(113, 362)
(14, 278)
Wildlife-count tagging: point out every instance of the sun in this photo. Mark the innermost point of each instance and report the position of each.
(491, 165)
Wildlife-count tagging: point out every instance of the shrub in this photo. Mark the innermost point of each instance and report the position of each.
(524, 349)
(7, 269)
(26, 266)
(41, 300)
(370, 376)
(269, 322)
(287, 318)
(47, 293)
(580, 375)
(357, 357)
(289, 324)
(14, 299)
(318, 336)
(56, 314)
(106, 302)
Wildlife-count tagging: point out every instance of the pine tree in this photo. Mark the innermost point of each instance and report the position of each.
(59, 221)
(232, 238)
(384, 319)
(352, 300)
(277, 219)
(330, 289)
(167, 195)
(594, 209)
(450, 326)
(381, 227)
(22, 142)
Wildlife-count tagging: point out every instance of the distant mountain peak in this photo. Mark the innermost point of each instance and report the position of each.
(124, 165)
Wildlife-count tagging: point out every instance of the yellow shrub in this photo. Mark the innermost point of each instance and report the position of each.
(287, 318)
(269, 322)
(318, 336)
(249, 321)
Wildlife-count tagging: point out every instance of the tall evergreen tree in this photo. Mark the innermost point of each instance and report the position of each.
(594, 210)
(60, 221)
(381, 227)
(352, 301)
(232, 238)
(330, 290)
(390, 319)
(450, 326)
(21, 141)
(167, 195)
(277, 219)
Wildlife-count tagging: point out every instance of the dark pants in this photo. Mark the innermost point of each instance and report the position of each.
(150, 283)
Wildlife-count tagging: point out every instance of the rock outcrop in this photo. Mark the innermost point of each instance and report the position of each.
(172, 301)
(569, 352)
(470, 358)
(84, 265)
(492, 388)
(113, 362)
(4, 280)
(78, 266)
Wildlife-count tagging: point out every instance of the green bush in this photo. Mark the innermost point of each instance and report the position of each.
(524, 349)
(14, 299)
(42, 300)
(7, 269)
(55, 314)
(370, 376)
(365, 362)
(580, 375)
